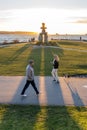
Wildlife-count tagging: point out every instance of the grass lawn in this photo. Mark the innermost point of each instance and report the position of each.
(13, 59)
(42, 118)
(73, 44)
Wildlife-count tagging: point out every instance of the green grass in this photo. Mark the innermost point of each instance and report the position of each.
(73, 44)
(42, 118)
(13, 59)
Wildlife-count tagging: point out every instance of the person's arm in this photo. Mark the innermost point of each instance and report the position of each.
(29, 74)
(52, 62)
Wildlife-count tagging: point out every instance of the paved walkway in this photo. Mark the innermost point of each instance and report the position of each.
(70, 92)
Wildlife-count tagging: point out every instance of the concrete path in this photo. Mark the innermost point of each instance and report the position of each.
(70, 91)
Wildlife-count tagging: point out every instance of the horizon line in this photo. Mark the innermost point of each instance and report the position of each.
(18, 31)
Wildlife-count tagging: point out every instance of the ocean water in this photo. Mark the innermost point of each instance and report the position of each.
(11, 37)
(25, 38)
(69, 37)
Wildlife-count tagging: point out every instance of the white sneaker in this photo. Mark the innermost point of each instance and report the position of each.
(24, 95)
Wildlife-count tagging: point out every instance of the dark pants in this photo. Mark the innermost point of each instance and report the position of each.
(27, 85)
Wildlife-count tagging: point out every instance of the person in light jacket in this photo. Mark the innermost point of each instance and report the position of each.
(55, 68)
(29, 78)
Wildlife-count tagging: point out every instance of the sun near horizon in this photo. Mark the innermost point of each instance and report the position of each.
(61, 18)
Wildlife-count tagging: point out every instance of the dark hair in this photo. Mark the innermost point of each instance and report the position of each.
(31, 61)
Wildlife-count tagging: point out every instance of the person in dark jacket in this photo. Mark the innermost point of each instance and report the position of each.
(55, 68)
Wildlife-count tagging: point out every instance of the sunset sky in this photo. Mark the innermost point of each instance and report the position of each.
(60, 16)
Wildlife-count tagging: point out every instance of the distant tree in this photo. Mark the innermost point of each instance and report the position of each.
(33, 39)
(5, 42)
(16, 41)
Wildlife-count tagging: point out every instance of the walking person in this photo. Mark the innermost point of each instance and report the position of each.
(55, 68)
(29, 78)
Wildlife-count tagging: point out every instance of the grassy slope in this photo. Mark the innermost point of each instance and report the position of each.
(75, 61)
(73, 44)
(14, 59)
(42, 118)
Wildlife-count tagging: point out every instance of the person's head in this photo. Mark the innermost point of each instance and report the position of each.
(31, 63)
(56, 57)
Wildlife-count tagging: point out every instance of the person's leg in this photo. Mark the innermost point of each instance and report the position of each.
(25, 87)
(56, 75)
(53, 74)
(34, 86)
